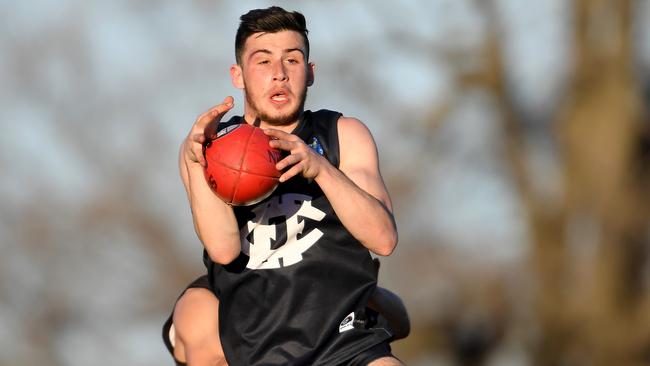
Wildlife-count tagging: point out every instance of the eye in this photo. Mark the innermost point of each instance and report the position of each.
(293, 61)
(263, 62)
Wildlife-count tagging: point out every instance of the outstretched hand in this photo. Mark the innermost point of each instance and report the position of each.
(301, 159)
(205, 127)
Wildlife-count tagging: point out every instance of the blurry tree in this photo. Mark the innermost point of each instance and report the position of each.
(591, 309)
(588, 218)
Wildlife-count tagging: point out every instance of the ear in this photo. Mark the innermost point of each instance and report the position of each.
(311, 67)
(236, 76)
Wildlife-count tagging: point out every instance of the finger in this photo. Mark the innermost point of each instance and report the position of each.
(278, 134)
(215, 113)
(188, 153)
(292, 172)
(199, 138)
(288, 161)
(282, 144)
(196, 148)
(287, 145)
(198, 153)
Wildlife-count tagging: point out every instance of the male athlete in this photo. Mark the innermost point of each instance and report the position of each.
(293, 276)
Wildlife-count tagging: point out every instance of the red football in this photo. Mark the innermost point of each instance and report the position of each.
(241, 165)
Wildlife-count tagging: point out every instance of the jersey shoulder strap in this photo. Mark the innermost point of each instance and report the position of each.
(324, 126)
(234, 120)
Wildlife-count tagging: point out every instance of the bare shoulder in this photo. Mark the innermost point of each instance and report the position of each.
(355, 139)
(359, 158)
(352, 128)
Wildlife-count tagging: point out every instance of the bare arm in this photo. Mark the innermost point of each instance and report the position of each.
(214, 220)
(355, 190)
(359, 197)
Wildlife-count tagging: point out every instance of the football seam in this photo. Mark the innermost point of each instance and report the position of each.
(244, 171)
(241, 163)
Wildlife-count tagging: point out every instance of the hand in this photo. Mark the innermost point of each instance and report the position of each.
(301, 160)
(205, 127)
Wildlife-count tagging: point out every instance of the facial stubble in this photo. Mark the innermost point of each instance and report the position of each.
(282, 119)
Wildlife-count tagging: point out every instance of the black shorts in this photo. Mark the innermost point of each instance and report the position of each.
(168, 326)
(371, 354)
(362, 359)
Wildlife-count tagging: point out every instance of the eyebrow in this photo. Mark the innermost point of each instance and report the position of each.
(268, 52)
(288, 50)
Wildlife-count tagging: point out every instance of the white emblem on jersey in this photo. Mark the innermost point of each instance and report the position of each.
(275, 237)
(347, 323)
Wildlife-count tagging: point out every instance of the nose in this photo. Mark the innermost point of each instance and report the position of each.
(279, 74)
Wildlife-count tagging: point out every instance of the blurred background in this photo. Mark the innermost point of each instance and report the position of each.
(514, 138)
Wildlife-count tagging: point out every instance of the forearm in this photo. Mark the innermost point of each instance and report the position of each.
(214, 221)
(364, 216)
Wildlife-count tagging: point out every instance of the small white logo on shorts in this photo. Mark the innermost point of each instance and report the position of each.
(347, 323)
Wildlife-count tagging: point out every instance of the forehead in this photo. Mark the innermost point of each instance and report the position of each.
(277, 42)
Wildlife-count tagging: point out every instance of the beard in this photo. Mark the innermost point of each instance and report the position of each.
(282, 119)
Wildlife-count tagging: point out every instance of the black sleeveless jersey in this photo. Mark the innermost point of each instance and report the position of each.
(296, 295)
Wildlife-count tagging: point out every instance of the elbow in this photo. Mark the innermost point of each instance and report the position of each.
(222, 249)
(388, 239)
(222, 255)
(385, 251)
(223, 258)
(387, 244)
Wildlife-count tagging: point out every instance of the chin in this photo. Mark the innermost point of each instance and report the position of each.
(279, 116)
(279, 120)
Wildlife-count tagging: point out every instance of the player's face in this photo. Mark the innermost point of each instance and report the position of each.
(274, 75)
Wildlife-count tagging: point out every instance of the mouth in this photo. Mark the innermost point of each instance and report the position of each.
(279, 96)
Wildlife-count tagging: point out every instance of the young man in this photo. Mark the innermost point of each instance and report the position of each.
(293, 274)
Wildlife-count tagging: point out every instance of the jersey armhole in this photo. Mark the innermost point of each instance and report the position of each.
(326, 128)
